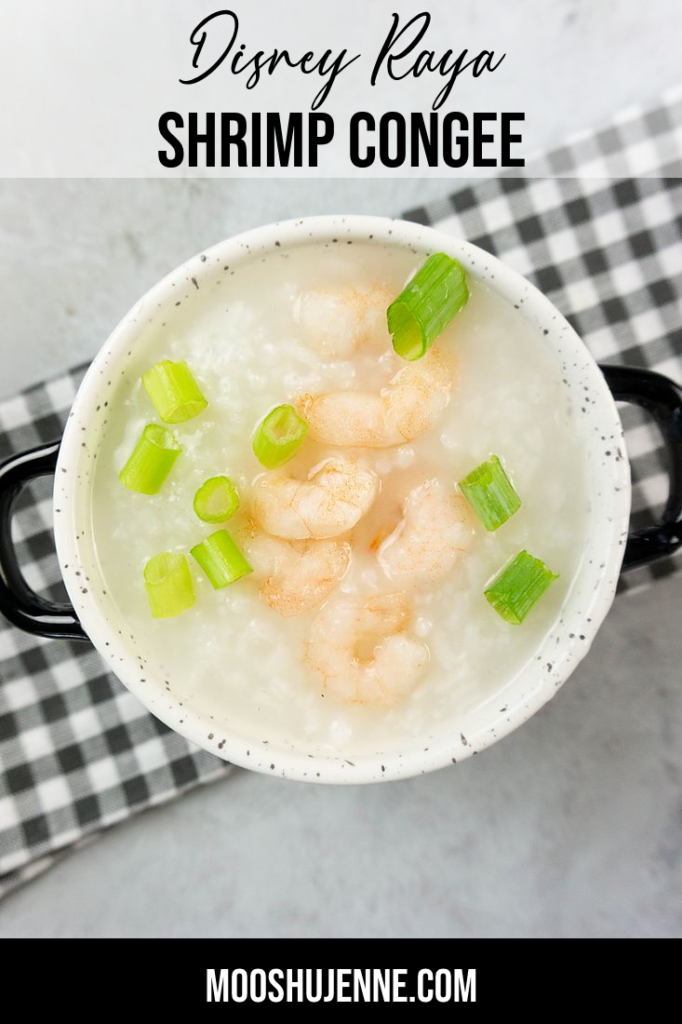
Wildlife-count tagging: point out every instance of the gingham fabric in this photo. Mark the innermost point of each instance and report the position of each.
(77, 751)
(603, 240)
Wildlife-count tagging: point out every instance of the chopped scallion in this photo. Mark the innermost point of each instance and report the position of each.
(426, 305)
(221, 559)
(279, 436)
(518, 587)
(168, 584)
(151, 460)
(490, 493)
(216, 500)
(173, 390)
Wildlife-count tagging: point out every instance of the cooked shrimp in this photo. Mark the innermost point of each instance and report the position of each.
(361, 653)
(409, 406)
(336, 323)
(330, 502)
(297, 575)
(435, 529)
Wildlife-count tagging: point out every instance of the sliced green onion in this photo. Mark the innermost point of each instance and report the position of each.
(173, 390)
(168, 584)
(490, 493)
(221, 559)
(279, 436)
(518, 587)
(216, 500)
(151, 461)
(426, 305)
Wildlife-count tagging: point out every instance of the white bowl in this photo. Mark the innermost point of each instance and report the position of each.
(556, 656)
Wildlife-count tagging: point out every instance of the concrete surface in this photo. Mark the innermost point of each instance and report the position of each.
(569, 827)
(572, 826)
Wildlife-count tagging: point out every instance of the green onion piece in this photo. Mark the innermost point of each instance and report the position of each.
(168, 584)
(216, 500)
(518, 587)
(490, 493)
(173, 390)
(426, 305)
(151, 461)
(221, 559)
(279, 436)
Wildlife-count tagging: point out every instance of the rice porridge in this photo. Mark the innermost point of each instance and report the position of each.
(290, 328)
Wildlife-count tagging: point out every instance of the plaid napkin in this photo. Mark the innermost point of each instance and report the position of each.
(605, 245)
(78, 753)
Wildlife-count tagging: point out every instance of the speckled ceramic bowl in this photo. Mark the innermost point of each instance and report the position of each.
(94, 615)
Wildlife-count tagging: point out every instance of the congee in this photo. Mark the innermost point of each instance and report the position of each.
(344, 496)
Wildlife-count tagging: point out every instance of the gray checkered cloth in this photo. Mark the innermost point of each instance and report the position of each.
(78, 753)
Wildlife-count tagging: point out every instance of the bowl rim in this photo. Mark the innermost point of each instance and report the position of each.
(114, 647)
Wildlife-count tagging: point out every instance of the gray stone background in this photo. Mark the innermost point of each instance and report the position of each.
(571, 826)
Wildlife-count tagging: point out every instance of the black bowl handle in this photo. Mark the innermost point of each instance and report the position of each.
(18, 602)
(662, 399)
(658, 395)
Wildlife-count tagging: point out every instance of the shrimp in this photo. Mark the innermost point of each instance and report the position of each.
(330, 502)
(337, 323)
(409, 406)
(298, 575)
(360, 651)
(436, 527)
